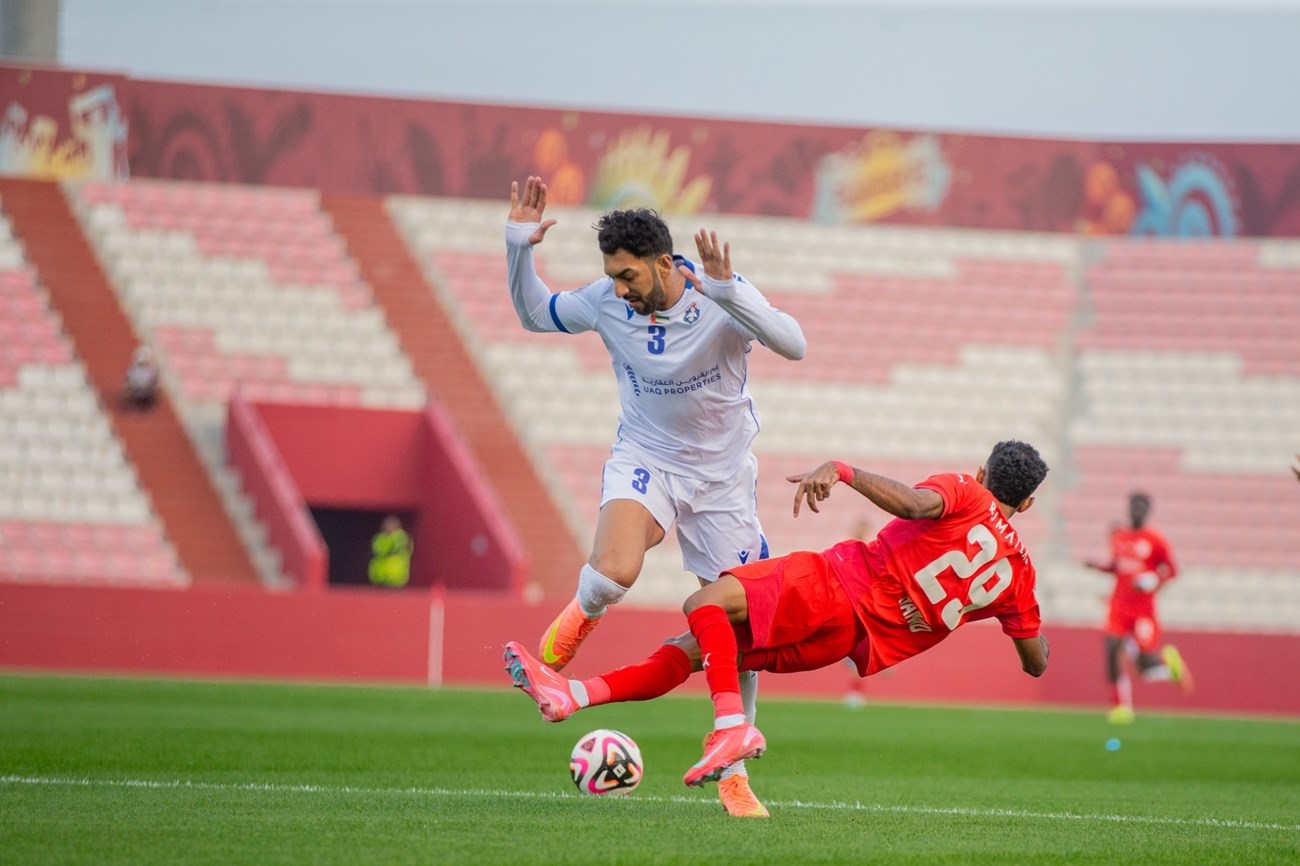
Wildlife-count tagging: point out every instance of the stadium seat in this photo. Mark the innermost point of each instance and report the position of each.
(63, 474)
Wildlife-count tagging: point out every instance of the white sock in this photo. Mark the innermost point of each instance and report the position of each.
(579, 692)
(749, 694)
(596, 592)
(727, 722)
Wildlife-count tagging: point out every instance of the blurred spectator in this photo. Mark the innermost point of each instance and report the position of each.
(390, 562)
(141, 387)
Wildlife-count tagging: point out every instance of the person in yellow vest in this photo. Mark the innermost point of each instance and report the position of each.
(390, 561)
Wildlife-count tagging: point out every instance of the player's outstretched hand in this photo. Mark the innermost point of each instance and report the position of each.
(715, 257)
(814, 486)
(530, 208)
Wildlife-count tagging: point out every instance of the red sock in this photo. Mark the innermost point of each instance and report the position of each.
(717, 642)
(666, 669)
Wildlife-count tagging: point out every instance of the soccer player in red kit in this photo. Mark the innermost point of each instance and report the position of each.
(951, 557)
(1142, 565)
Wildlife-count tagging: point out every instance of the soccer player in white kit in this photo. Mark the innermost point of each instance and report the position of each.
(678, 335)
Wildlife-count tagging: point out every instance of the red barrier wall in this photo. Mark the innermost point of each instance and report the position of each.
(375, 460)
(343, 634)
(350, 144)
(366, 634)
(477, 545)
(277, 500)
(342, 457)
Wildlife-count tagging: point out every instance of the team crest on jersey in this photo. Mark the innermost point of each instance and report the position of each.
(692, 314)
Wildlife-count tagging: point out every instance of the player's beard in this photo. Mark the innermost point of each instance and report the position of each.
(655, 300)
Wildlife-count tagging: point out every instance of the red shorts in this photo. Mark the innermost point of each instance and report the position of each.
(800, 617)
(1144, 630)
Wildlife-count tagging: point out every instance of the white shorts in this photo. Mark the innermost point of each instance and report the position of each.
(717, 521)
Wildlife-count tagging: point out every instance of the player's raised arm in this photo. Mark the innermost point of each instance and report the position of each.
(524, 230)
(530, 207)
(909, 503)
(777, 330)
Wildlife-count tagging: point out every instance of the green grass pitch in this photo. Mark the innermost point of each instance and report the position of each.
(107, 771)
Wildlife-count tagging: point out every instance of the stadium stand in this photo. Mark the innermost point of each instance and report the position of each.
(71, 507)
(219, 280)
(1131, 364)
(222, 278)
(1189, 387)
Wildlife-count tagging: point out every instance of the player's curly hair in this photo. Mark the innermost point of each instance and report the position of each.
(1013, 472)
(639, 231)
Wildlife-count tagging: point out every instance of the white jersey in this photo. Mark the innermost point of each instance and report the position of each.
(682, 372)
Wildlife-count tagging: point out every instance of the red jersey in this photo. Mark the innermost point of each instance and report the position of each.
(1137, 552)
(918, 580)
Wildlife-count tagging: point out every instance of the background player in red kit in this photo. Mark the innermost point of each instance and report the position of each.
(1142, 565)
(952, 556)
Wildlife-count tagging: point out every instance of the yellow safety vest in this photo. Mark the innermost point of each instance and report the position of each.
(390, 564)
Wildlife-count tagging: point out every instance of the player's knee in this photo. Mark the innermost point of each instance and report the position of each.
(596, 591)
(705, 595)
(621, 569)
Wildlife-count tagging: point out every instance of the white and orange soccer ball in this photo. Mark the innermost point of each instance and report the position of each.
(606, 762)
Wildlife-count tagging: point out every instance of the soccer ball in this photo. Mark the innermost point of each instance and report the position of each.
(606, 762)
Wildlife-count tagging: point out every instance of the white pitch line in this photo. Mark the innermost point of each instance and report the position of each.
(271, 787)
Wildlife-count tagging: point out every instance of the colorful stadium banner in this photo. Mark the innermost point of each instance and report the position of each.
(370, 145)
(62, 125)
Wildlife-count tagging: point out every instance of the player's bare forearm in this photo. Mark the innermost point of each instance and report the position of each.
(898, 499)
(1033, 652)
(909, 503)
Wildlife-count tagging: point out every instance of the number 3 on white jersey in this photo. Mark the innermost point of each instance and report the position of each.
(979, 592)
